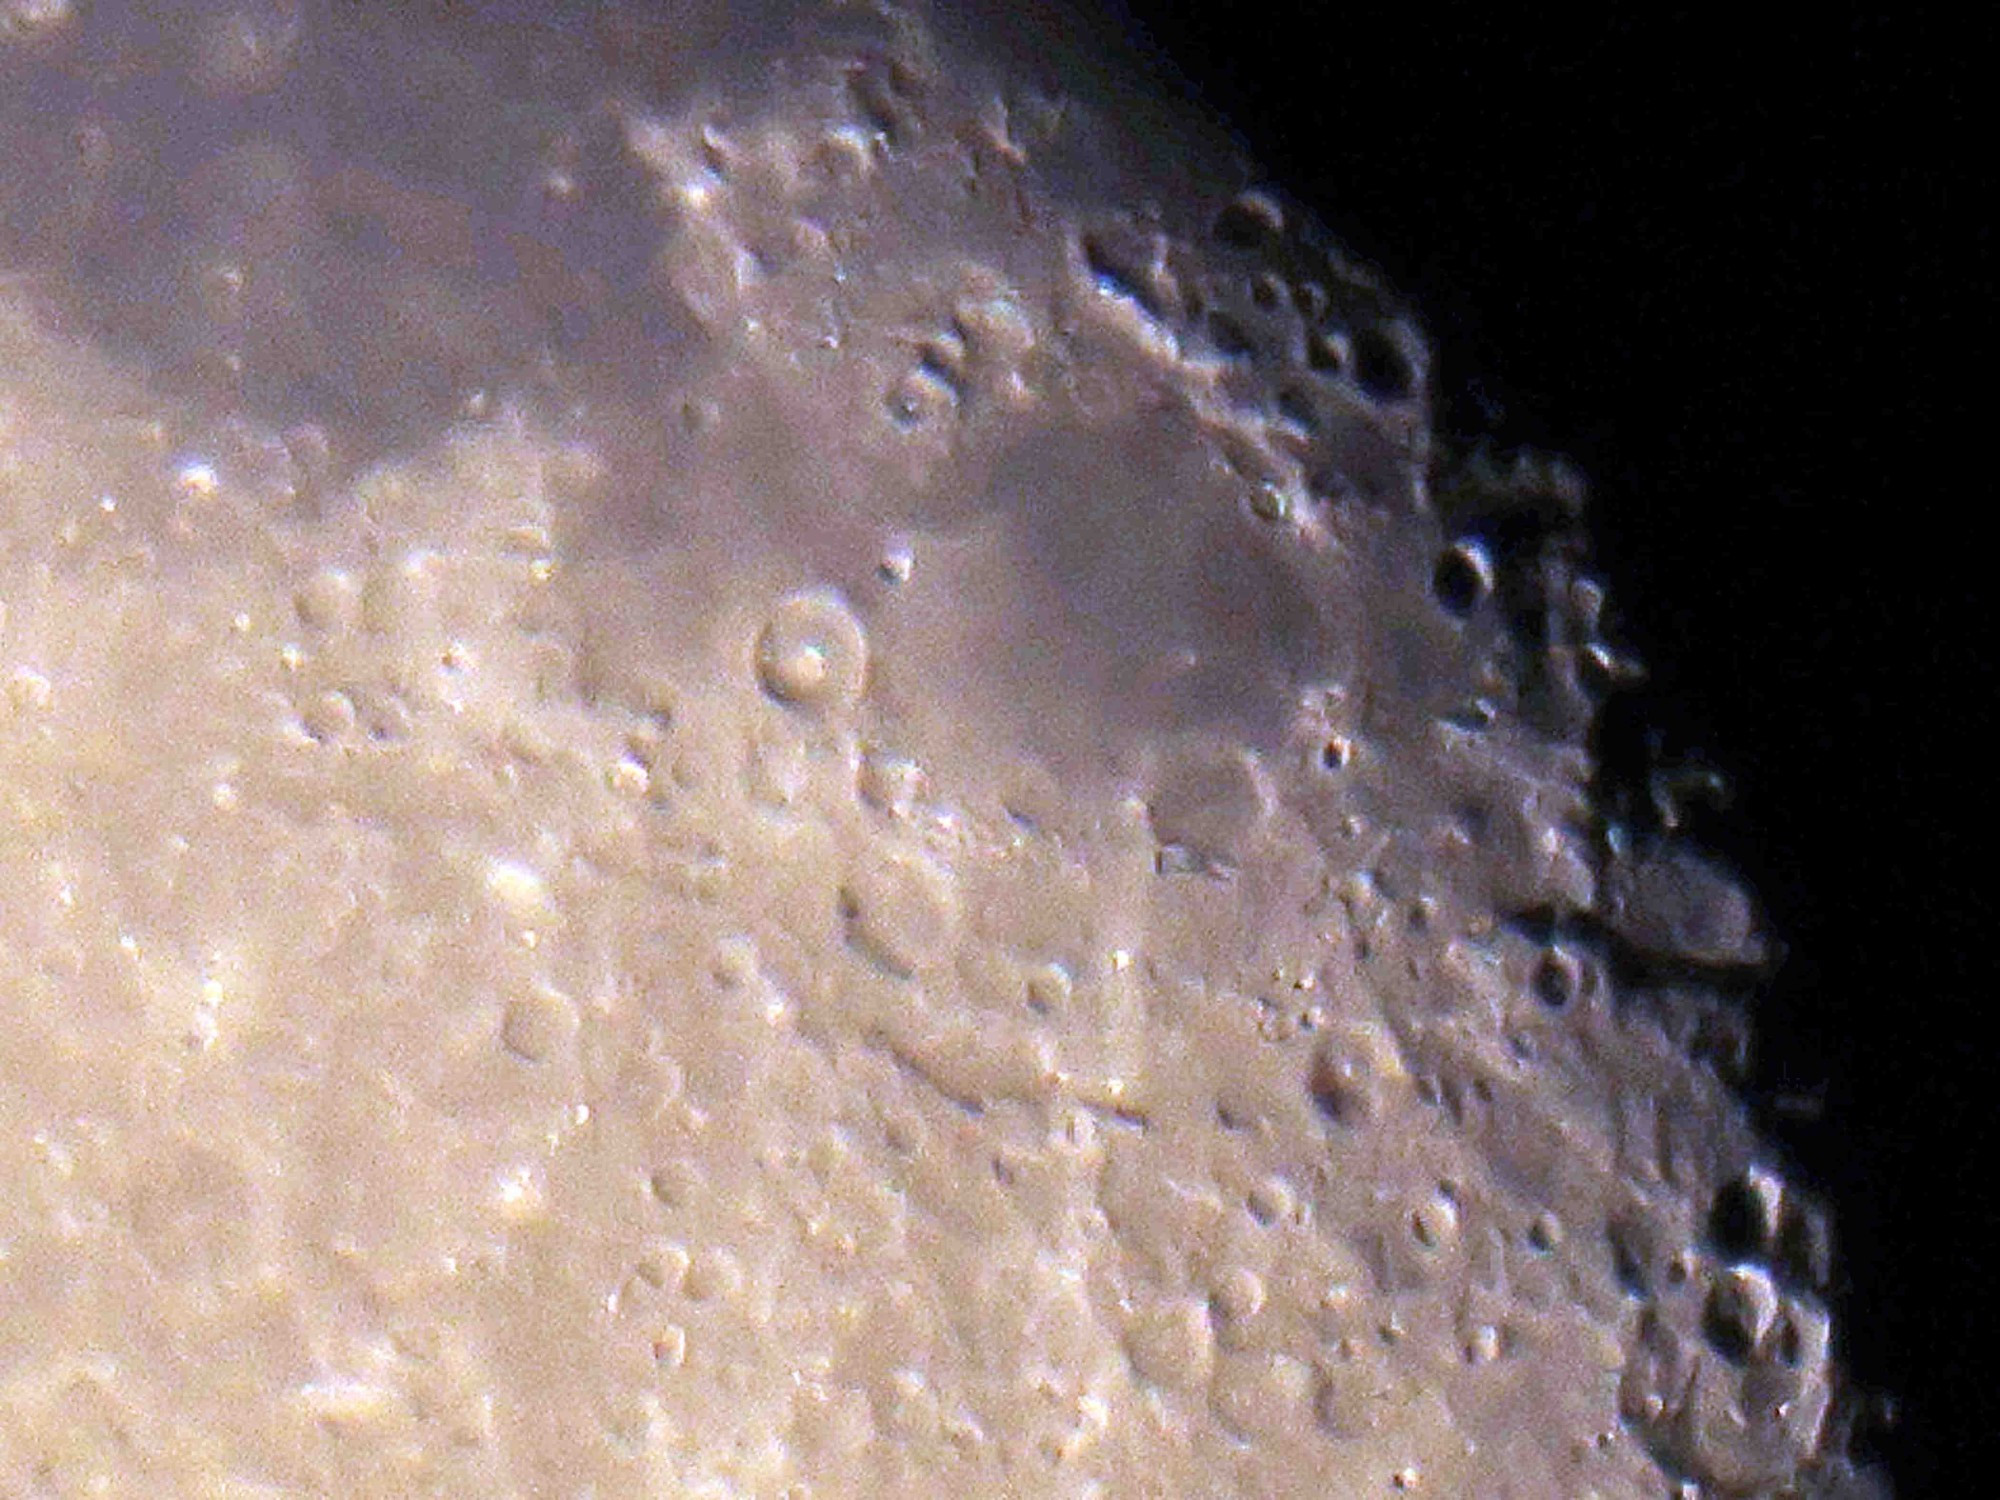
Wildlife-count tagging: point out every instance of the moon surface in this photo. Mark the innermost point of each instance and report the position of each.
(759, 750)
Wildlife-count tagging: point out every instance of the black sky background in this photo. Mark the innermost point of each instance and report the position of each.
(1740, 274)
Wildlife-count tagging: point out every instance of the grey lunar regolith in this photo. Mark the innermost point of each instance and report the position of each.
(747, 751)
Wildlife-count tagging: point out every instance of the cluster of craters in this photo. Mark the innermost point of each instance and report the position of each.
(840, 803)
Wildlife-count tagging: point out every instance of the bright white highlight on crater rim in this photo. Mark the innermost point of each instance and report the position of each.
(754, 752)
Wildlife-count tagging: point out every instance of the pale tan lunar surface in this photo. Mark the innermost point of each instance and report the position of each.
(741, 755)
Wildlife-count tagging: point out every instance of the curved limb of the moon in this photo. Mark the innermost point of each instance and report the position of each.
(755, 751)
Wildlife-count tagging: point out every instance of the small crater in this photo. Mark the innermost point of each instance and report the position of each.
(1343, 1090)
(1434, 1222)
(535, 1027)
(676, 1184)
(1675, 903)
(1557, 979)
(1544, 1234)
(329, 601)
(1462, 579)
(899, 911)
(1253, 222)
(384, 717)
(891, 784)
(1631, 1255)
(1471, 825)
(1123, 271)
(1476, 717)
(1296, 407)
(898, 562)
(714, 1275)
(192, 1215)
(885, 98)
(1271, 1202)
(1255, 1395)
(1351, 1400)
(812, 654)
(1237, 1296)
(34, 20)
(1171, 1344)
(670, 1346)
(330, 718)
(1209, 807)
(927, 395)
(1329, 352)
(661, 1266)
(1740, 1310)
(1744, 1215)
(1230, 338)
(1309, 300)
(1382, 369)
(1048, 989)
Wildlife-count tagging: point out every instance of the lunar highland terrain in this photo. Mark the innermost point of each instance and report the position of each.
(760, 751)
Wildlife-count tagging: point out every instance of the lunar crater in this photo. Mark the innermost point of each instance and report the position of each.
(764, 749)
